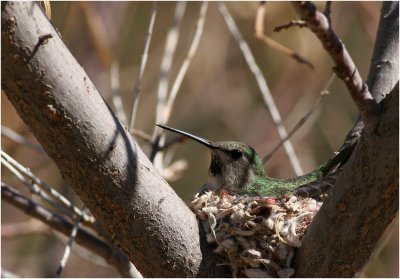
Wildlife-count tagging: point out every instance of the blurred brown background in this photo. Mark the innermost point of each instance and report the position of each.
(218, 100)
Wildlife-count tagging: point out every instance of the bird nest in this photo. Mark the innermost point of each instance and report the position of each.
(256, 235)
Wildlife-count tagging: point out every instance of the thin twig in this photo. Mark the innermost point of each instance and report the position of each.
(166, 64)
(262, 84)
(165, 113)
(168, 56)
(327, 11)
(344, 67)
(59, 223)
(142, 135)
(115, 96)
(42, 40)
(7, 132)
(185, 66)
(260, 34)
(68, 247)
(87, 218)
(143, 62)
(35, 189)
(304, 119)
(298, 23)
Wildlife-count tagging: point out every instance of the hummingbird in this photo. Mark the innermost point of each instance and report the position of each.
(236, 168)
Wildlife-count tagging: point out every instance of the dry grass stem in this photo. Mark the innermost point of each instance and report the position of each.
(260, 34)
(262, 84)
(143, 62)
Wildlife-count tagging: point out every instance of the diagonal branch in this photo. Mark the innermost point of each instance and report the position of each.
(344, 67)
(262, 84)
(300, 123)
(138, 210)
(365, 197)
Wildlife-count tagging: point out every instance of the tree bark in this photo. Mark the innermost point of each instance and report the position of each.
(365, 197)
(93, 151)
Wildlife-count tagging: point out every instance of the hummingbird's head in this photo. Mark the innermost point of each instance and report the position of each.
(234, 165)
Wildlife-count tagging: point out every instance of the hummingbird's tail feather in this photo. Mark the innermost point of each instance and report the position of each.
(341, 157)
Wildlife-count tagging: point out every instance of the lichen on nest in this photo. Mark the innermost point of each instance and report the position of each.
(256, 235)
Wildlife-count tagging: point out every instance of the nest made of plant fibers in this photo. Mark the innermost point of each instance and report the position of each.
(256, 235)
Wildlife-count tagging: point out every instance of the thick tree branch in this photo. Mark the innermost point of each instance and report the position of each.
(99, 160)
(364, 200)
(344, 68)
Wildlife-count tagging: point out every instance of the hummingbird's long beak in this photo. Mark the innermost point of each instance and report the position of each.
(195, 138)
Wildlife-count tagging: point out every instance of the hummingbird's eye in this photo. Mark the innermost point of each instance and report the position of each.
(235, 153)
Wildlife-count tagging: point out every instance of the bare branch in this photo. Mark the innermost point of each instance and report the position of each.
(36, 190)
(168, 56)
(186, 63)
(166, 64)
(259, 28)
(344, 68)
(59, 223)
(37, 185)
(166, 110)
(302, 120)
(7, 132)
(262, 84)
(68, 247)
(298, 23)
(143, 62)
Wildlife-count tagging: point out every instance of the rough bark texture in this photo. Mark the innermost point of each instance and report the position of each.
(365, 198)
(96, 156)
